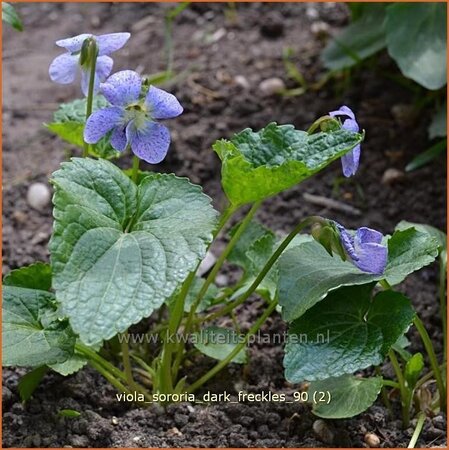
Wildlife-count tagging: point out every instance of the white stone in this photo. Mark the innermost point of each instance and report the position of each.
(38, 196)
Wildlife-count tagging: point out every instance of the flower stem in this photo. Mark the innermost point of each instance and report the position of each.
(433, 360)
(402, 387)
(90, 93)
(227, 214)
(222, 364)
(442, 295)
(269, 264)
(418, 429)
(135, 169)
(165, 372)
(126, 361)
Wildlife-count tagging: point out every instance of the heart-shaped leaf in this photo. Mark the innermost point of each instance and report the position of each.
(32, 334)
(120, 250)
(257, 165)
(345, 332)
(349, 395)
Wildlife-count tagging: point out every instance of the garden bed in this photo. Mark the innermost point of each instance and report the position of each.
(224, 56)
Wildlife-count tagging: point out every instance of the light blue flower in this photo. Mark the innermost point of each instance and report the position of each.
(364, 249)
(64, 68)
(131, 119)
(350, 161)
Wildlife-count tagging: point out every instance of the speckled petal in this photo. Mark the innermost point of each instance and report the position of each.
(372, 258)
(122, 88)
(150, 143)
(118, 138)
(102, 70)
(350, 162)
(74, 43)
(366, 235)
(343, 111)
(108, 43)
(161, 104)
(101, 122)
(63, 68)
(347, 241)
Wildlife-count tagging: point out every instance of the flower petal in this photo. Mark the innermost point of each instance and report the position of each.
(347, 241)
(108, 43)
(343, 111)
(350, 161)
(122, 88)
(351, 125)
(372, 258)
(63, 68)
(118, 139)
(102, 70)
(161, 104)
(74, 43)
(104, 67)
(366, 235)
(101, 122)
(151, 143)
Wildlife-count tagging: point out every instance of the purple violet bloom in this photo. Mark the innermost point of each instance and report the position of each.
(364, 249)
(64, 68)
(131, 118)
(350, 161)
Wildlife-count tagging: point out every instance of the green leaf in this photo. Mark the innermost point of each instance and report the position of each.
(438, 235)
(217, 343)
(345, 332)
(34, 276)
(68, 124)
(307, 273)
(32, 333)
(349, 395)
(400, 347)
(413, 369)
(427, 156)
(416, 40)
(409, 250)
(10, 16)
(252, 251)
(364, 37)
(30, 381)
(437, 127)
(70, 413)
(72, 365)
(120, 250)
(257, 165)
(208, 298)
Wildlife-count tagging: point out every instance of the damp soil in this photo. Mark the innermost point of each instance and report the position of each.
(222, 55)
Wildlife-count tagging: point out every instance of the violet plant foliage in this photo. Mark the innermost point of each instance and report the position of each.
(125, 242)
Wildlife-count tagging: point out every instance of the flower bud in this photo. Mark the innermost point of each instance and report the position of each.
(89, 51)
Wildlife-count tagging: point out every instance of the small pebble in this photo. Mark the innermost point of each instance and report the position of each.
(320, 29)
(38, 196)
(221, 280)
(136, 438)
(174, 432)
(322, 431)
(19, 216)
(114, 420)
(372, 440)
(241, 81)
(271, 86)
(392, 176)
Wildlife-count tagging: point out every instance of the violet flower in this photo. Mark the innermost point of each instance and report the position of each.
(132, 118)
(64, 68)
(364, 249)
(350, 161)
